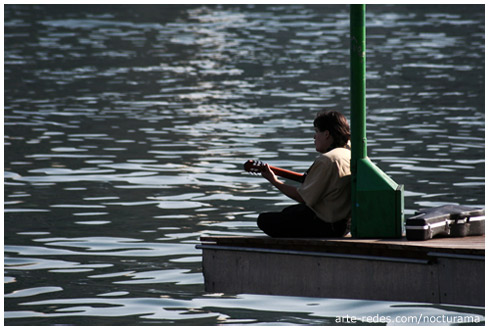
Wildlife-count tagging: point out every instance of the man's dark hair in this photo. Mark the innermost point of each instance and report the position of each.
(336, 124)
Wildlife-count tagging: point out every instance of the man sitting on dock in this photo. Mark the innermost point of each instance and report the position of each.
(324, 196)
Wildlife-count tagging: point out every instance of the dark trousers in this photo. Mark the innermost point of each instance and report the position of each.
(299, 221)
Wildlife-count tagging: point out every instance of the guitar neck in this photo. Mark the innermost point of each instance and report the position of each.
(296, 176)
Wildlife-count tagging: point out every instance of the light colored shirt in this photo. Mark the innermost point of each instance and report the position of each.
(327, 186)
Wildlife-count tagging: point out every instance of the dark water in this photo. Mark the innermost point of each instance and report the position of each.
(126, 128)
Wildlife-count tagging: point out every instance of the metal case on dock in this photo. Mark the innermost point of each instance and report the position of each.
(448, 220)
(468, 223)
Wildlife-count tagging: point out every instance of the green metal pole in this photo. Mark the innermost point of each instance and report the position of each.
(358, 99)
(377, 201)
(358, 82)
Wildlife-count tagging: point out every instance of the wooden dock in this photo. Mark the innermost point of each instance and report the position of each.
(443, 270)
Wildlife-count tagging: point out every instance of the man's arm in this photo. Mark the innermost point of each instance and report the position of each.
(288, 190)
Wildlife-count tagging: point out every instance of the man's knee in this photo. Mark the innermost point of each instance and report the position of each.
(268, 223)
(262, 222)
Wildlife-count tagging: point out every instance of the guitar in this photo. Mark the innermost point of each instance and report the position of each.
(254, 166)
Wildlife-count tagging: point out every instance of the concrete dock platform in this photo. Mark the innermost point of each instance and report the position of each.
(442, 270)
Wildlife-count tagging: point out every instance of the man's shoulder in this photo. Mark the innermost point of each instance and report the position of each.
(336, 154)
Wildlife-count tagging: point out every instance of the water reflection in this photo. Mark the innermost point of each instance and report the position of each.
(126, 128)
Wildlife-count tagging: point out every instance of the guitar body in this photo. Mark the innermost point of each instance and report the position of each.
(254, 166)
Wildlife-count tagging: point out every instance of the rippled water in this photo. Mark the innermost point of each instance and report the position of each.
(126, 128)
